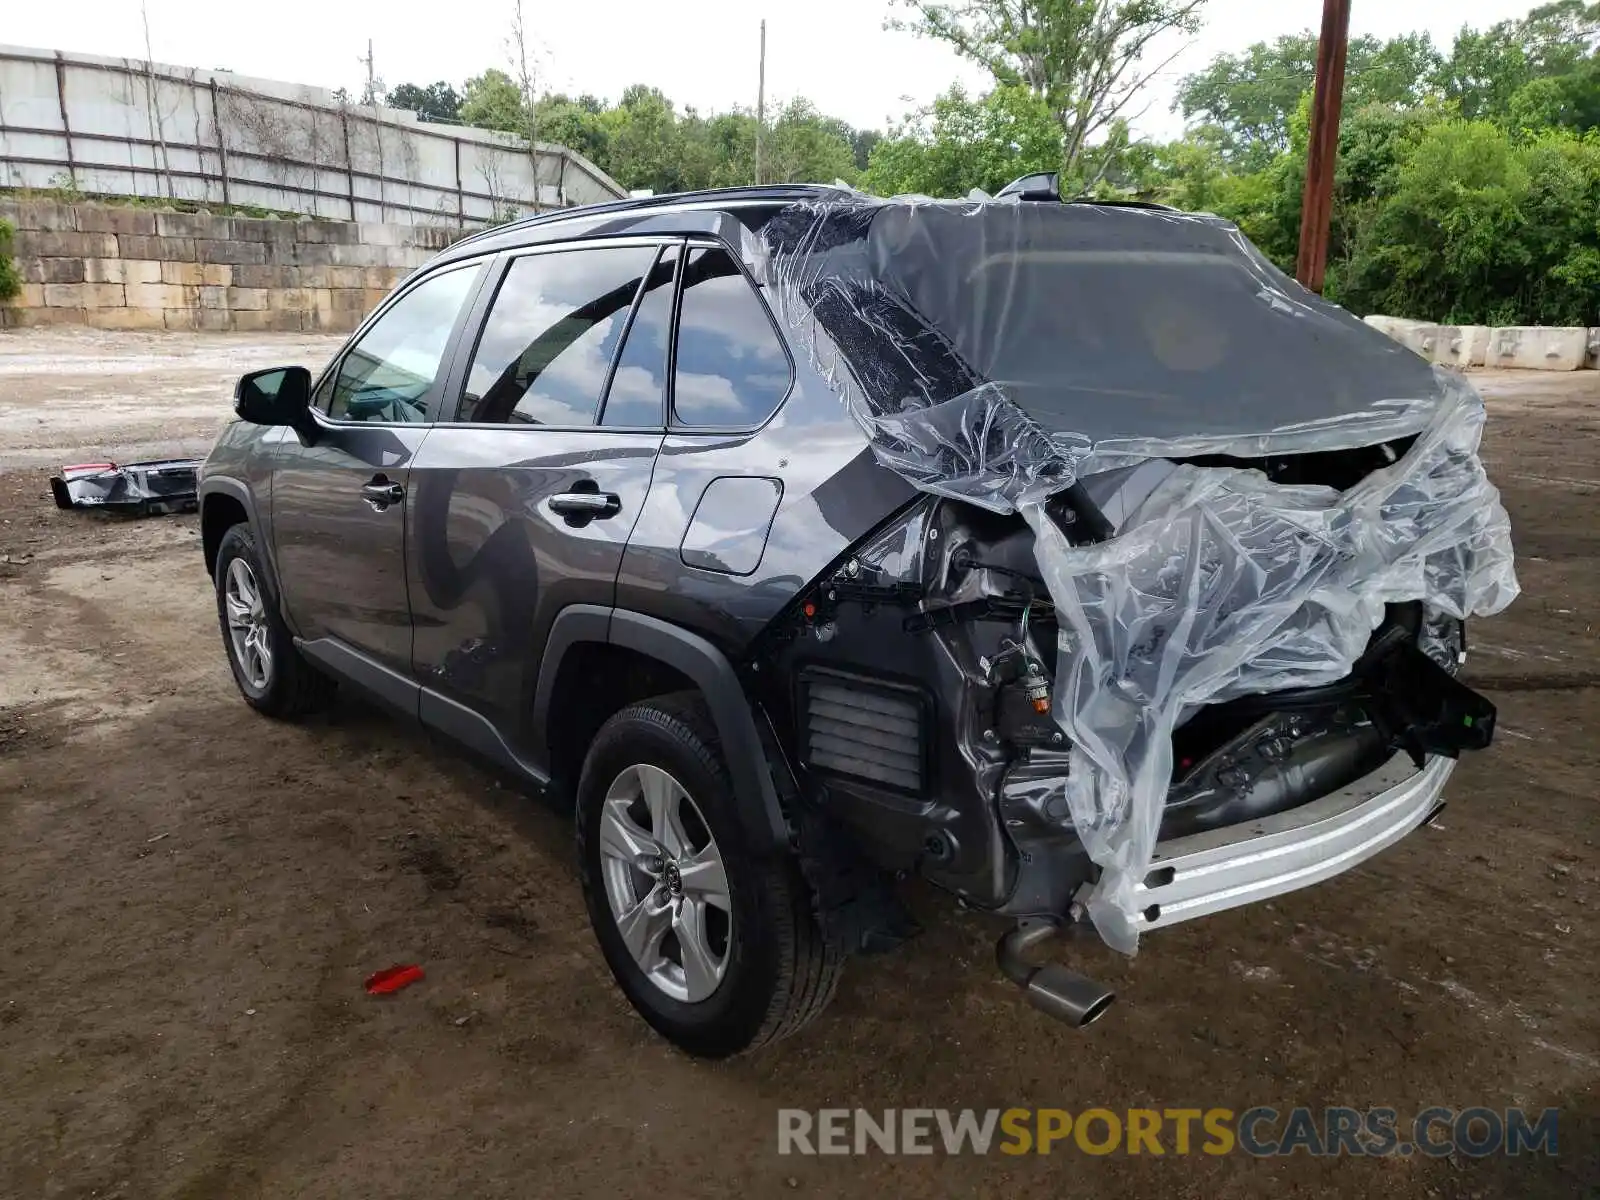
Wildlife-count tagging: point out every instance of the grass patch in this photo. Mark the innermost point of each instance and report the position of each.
(65, 191)
(10, 277)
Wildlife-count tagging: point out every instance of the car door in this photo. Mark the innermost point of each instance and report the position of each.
(339, 501)
(523, 504)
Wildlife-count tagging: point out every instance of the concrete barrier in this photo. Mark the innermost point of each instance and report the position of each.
(1528, 347)
(1539, 348)
(1413, 335)
(1462, 345)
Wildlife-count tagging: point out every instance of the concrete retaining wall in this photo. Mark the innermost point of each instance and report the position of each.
(133, 268)
(1529, 348)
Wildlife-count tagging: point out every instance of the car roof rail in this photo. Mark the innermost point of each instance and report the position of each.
(778, 193)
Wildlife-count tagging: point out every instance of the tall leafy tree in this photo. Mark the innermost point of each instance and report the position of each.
(645, 147)
(1488, 68)
(493, 101)
(1484, 229)
(959, 143)
(1252, 96)
(577, 124)
(436, 102)
(724, 146)
(806, 147)
(1570, 101)
(1083, 59)
(861, 145)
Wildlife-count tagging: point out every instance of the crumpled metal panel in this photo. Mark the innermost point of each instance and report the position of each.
(162, 486)
(998, 352)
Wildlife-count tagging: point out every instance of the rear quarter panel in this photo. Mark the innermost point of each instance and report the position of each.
(834, 493)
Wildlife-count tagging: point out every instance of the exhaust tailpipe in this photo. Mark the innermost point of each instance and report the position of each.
(1051, 988)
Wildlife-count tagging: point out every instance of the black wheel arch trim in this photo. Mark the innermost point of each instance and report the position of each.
(711, 672)
(233, 489)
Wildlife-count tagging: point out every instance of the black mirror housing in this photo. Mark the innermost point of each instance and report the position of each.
(275, 396)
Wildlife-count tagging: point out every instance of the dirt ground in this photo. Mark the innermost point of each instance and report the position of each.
(191, 896)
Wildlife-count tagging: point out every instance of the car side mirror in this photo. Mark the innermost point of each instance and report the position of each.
(276, 396)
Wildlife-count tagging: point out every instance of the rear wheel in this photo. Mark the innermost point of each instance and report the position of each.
(272, 676)
(716, 948)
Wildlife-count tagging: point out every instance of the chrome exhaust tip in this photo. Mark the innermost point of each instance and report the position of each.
(1053, 989)
(1068, 996)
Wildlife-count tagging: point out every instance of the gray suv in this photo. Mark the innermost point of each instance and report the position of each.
(763, 527)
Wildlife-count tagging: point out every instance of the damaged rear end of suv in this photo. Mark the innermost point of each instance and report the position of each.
(1175, 623)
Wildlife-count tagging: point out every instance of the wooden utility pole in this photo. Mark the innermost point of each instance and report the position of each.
(1316, 211)
(761, 99)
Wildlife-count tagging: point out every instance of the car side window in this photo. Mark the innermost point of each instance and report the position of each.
(638, 391)
(731, 367)
(552, 332)
(389, 373)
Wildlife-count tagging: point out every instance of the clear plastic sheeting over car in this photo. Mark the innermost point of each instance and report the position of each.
(1039, 344)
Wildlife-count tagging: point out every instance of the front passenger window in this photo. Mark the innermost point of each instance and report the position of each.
(390, 372)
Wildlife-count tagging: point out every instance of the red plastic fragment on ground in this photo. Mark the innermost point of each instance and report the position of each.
(392, 979)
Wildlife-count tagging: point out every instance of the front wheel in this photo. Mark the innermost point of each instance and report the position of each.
(272, 676)
(717, 949)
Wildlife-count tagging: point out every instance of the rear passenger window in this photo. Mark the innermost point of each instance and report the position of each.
(547, 346)
(732, 368)
(639, 384)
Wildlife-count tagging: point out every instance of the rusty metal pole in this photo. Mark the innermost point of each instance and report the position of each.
(1316, 210)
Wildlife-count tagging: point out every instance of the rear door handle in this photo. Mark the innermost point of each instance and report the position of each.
(586, 506)
(379, 493)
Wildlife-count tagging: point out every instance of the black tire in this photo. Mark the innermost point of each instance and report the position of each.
(292, 687)
(780, 969)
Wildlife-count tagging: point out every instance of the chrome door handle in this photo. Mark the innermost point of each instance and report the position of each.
(380, 493)
(592, 505)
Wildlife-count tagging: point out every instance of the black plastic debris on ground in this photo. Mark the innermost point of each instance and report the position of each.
(163, 486)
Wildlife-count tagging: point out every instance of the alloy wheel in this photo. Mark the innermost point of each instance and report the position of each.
(665, 883)
(248, 632)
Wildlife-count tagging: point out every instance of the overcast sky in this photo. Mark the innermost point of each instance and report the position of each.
(700, 52)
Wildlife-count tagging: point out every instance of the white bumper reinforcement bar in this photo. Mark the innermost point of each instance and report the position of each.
(1259, 859)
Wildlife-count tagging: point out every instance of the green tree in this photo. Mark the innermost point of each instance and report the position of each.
(1484, 228)
(861, 145)
(1489, 68)
(1195, 170)
(493, 101)
(726, 144)
(1252, 96)
(1569, 101)
(436, 102)
(644, 144)
(803, 146)
(1083, 59)
(959, 143)
(574, 124)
